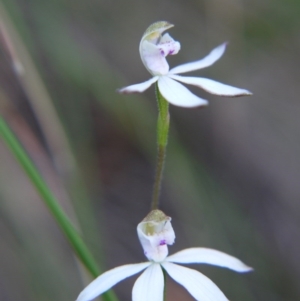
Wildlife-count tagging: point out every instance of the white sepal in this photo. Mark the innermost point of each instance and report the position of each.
(198, 285)
(108, 279)
(150, 285)
(207, 61)
(209, 256)
(212, 86)
(177, 94)
(138, 88)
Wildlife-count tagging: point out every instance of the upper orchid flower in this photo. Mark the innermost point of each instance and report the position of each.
(155, 233)
(154, 47)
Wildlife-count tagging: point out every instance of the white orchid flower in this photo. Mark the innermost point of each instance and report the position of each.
(155, 233)
(154, 47)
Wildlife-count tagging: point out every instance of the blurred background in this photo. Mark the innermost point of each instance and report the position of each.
(232, 173)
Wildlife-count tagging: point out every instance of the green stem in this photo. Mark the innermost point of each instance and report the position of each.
(165, 285)
(158, 177)
(162, 141)
(51, 202)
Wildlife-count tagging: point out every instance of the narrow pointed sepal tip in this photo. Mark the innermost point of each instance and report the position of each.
(243, 93)
(124, 91)
(242, 268)
(247, 269)
(138, 88)
(204, 105)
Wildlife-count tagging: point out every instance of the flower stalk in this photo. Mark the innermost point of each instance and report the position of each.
(163, 123)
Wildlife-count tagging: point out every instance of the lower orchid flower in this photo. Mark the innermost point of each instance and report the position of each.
(154, 47)
(155, 233)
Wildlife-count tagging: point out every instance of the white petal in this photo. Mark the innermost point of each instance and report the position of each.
(207, 61)
(209, 256)
(177, 94)
(198, 285)
(108, 279)
(150, 285)
(212, 86)
(138, 87)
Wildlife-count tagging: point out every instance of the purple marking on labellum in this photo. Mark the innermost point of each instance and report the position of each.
(171, 51)
(162, 242)
(162, 52)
